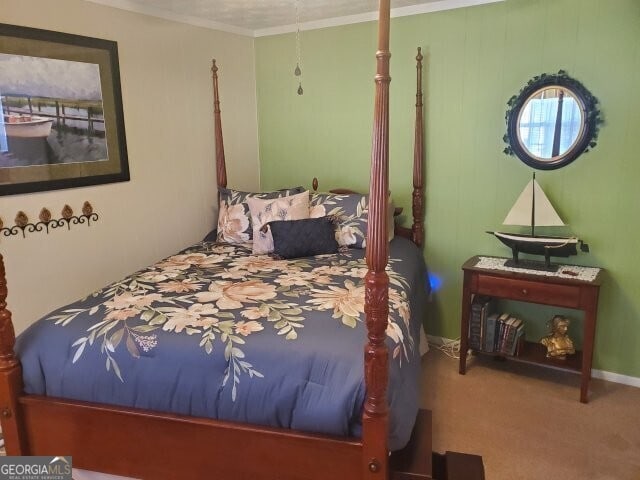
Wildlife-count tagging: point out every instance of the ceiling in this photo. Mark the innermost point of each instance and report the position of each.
(265, 17)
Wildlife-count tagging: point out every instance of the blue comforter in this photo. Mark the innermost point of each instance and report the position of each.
(217, 332)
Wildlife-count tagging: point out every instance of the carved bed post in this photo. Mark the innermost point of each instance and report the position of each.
(10, 376)
(221, 167)
(418, 160)
(375, 416)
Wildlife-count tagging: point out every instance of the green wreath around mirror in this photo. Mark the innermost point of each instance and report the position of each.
(552, 121)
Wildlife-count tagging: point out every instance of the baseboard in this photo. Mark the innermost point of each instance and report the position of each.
(600, 374)
(616, 377)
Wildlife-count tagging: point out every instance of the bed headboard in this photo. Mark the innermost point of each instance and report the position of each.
(416, 232)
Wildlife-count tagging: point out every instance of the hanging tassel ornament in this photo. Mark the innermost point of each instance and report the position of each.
(298, 71)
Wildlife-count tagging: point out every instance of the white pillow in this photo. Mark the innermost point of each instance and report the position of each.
(294, 207)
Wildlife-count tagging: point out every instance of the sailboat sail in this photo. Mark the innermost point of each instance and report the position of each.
(544, 213)
(534, 208)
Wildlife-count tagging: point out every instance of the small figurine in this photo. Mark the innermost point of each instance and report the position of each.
(558, 343)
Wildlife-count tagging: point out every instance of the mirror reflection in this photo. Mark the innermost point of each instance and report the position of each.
(550, 123)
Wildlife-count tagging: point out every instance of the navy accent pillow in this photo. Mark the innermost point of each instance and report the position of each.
(303, 238)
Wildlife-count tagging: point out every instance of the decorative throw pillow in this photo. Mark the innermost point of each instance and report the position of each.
(294, 207)
(352, 211)
(234, 219)
(304, 238)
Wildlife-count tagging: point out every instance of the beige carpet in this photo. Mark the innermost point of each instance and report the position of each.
(527, 422)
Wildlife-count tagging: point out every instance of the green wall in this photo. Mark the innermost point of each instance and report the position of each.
(476, 58)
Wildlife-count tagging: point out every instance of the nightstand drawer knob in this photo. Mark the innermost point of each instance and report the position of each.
(524, 291)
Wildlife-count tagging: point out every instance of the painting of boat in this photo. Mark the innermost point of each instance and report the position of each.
(27, 126)
(531, 209)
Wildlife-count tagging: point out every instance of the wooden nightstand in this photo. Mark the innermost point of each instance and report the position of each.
(542, 288)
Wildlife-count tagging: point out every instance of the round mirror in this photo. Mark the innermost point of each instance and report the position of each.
(551, 122)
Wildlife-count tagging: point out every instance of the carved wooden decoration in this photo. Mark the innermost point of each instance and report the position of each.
(10, 375)
(221, 167)
(7, 335)
(375, 416)
(418, 160)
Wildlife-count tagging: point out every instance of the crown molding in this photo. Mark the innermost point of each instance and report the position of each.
(132, 6)
(440, 5)
(372, 16)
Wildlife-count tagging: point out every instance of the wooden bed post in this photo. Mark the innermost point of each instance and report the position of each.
(376, 306)
(10, 377)
(418, 160)
(221, 167)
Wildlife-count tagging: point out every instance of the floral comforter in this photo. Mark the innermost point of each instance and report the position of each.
(217, 332)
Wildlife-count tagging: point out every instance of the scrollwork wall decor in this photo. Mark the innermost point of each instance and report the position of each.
(46, 222)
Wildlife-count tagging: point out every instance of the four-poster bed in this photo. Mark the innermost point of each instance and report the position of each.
(153, 445)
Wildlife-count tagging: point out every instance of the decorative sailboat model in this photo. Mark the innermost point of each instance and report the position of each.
(533, 208)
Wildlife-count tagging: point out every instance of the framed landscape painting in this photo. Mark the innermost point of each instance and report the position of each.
(61, 119)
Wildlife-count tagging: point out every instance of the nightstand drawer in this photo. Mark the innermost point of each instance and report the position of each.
(526, 291)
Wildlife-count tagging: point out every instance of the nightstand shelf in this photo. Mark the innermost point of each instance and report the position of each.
(535, 353)
(568, 289)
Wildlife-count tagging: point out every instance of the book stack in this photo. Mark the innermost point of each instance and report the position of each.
(480, 309)
(503, 334)
(493, 332)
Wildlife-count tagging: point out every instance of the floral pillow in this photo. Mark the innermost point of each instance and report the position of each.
(294, 207)
(350, 209)
(352, 212)
(234, 218)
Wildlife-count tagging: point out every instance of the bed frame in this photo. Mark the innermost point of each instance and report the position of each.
(152, 445)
